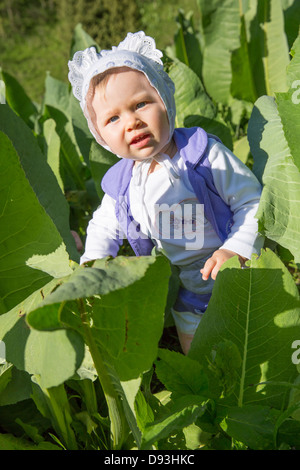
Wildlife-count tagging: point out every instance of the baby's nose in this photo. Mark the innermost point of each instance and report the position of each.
(133, 122)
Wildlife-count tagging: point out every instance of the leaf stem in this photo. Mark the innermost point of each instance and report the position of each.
(242, 382)
(118, 423)
(53, 404)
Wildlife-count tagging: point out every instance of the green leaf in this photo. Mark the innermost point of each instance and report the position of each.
(226, 361)
(243, 84)
(143, 411)
(60, 105)
(190, 97)
(193, 106)
(26, 230)
(81, 40)
(72, 166)
(55, 264)
(187, 43)
(18, 100)
(100, 161)
(18, 385)
(31, 431)
(5, 376)
(252, 425)
(53, 403)
(127, 391)
(293, 69)
(180, 374)
(38, 174)
(127, 317)
(278, 211)
(241, 149)
(57, 95)
(276, 53)
(267, 46)
(183, 413)
(295, 398)
(55, 356)
(221, 27)
(53, 148)
(289, 433)
(290, 118)
(121, 321)
(81, 130)
(258, 310)
(291, 11)
(288, 106)
(10, 442)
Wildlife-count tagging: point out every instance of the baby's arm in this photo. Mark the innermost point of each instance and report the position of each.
(240, 189)
(103, 237)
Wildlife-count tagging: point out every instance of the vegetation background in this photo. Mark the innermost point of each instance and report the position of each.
(35, 36)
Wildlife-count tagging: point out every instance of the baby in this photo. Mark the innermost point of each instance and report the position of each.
(179, 190)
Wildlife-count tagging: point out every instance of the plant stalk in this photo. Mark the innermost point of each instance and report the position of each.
(118, 422)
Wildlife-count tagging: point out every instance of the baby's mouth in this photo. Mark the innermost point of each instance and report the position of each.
(141, 139)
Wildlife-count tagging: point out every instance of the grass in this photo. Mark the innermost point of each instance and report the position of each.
(159, 18)
(29, 58)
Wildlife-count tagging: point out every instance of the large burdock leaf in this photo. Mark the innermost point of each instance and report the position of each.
(38, 174)
(278, 211)
(58, 103)
(100, 161)
(273, 134)
(81, 40)
(221, 28)
(193, 105)
(27, 233)
(276, 52)
(245, 48)
(122, 301)
(258, 310)
(268, 45)
(117, 306)
(53, 356)
(190, 96)
(187, 43)
(184, 412)
(18, 100)
(288, 104)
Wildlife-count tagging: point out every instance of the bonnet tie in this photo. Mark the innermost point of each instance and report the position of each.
(143, 169)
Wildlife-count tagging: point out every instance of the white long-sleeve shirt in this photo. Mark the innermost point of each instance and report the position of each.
(165, 206)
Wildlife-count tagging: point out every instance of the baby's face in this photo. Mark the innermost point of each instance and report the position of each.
(130, 116)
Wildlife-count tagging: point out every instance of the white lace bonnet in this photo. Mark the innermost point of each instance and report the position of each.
(136, 51)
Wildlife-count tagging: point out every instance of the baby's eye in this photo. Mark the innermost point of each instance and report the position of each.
(141, 104)
(113, 119)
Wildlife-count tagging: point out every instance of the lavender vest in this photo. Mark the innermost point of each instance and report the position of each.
(192, 145)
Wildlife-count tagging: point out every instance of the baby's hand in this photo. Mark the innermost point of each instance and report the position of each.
(214, 263)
